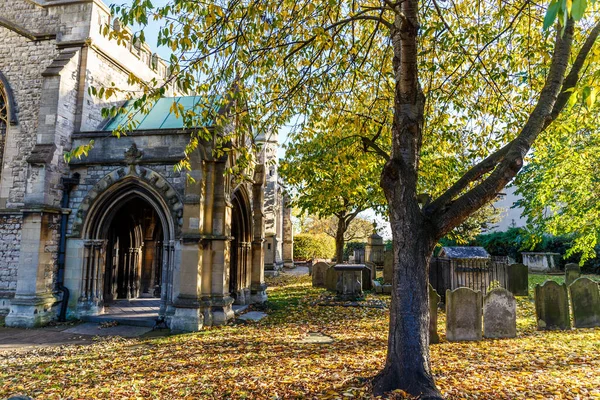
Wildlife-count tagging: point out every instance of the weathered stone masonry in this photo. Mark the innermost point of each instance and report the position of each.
(135, 227)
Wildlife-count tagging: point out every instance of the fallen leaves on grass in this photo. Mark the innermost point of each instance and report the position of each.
(266, 361)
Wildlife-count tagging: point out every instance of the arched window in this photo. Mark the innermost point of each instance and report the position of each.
(4, 119)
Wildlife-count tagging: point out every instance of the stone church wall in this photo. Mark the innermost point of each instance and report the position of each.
(10, 232)
(22, 63)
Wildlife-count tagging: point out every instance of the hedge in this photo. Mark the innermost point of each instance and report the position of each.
(307, 246)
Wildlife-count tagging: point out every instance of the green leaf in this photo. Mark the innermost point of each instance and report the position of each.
(578, 9)
(551, 14)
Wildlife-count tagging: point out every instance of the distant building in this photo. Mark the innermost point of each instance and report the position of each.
(509, 217)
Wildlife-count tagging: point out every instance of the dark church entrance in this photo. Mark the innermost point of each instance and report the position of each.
(239, 266)
(133, 252)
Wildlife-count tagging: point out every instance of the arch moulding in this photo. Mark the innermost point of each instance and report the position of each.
(120, 182)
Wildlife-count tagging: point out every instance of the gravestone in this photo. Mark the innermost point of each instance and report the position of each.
(388, 267)
(369, 275)
(518, 279)
(463, 314)
(331, 279)
(373, 270)
(585, 302)
(318, 274)
(349, 281)
(572, 272)
(434, 300)
(499, 314)
(551, 306)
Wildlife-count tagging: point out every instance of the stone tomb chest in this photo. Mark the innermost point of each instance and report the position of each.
(349, 281)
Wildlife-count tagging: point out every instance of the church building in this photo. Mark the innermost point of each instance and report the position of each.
(120, 223)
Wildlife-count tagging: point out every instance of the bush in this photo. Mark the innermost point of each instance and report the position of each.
(349, 248)
(307, 246)
(513, 241)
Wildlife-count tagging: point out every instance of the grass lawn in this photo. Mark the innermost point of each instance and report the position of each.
(265, 360)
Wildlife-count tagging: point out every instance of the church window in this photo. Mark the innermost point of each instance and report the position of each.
(3, 121)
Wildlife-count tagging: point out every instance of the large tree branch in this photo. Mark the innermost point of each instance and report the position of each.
(476, 172)
(490, 163)
(573, 76)
(446, 219)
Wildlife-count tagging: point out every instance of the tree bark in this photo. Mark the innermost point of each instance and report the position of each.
(339, 239)
(407, 364)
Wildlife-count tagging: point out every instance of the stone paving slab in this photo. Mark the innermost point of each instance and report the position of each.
(296, 271)
(23, 339)
(253, 316)
(92, 329)
(316, 338)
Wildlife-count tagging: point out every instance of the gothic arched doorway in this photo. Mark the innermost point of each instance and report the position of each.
(240, 259)
(133, 252)
(130, 252)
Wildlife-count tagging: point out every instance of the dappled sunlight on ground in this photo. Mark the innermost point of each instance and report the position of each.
(265, 360)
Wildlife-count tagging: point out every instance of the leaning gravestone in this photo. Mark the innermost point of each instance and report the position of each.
(372, 269)
(434, 299)
(331, 279)
(585, 301)
(499, 314)
(463, 314)
(318, 275)
(388, 267)
(572, 272)
(518, 279)
(551, 306)
(367, 282)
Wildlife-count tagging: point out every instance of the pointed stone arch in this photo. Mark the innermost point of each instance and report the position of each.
(141, 180)
(114, 220)
(7, 115)
(6, 96)
(240, 266)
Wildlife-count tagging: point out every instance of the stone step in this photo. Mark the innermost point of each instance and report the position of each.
(237, 310)
(130, 319)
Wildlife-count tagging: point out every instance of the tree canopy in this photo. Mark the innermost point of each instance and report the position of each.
(464, 88)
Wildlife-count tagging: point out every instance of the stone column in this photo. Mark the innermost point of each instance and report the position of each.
(31, 306)
(219, 234)
(187, 314)
(257, 286)
(288, 234)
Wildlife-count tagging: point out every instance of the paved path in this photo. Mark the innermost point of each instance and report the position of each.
(296, 271)
(24, 339)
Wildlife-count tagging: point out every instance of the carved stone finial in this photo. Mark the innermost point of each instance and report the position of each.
(133, 154)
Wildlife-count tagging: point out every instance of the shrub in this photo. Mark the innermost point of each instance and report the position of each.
(307, 246)
(349, 248)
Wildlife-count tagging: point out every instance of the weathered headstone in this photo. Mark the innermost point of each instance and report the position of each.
(585, 302)
(388, 267)
(551, 306)
(434, 299)
(367, 282)
(499, 314)
(318, 274)
(377, 286)
(518, 279)
(463, 314)
(349, 281)
(572, 272)
(331, 279)
(373, 269)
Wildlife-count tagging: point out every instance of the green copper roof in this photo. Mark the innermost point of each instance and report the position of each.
(160, 116)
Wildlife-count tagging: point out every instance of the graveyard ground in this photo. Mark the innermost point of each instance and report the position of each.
(265, 360)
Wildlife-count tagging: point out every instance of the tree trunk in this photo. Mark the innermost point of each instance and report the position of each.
(339, 240)
(407, 364)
